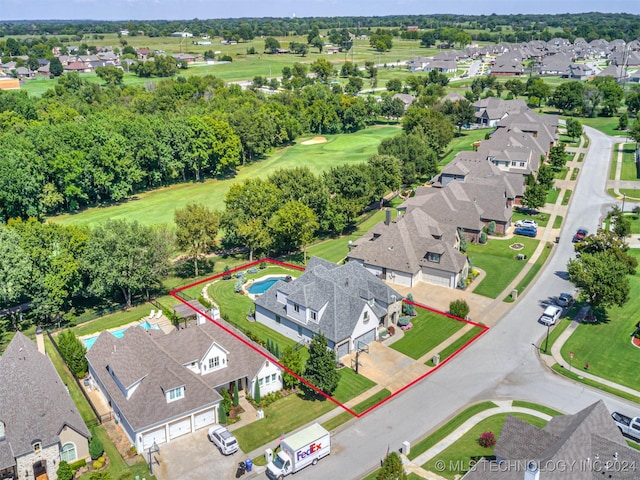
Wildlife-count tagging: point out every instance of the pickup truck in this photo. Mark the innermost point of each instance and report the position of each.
(627, 425)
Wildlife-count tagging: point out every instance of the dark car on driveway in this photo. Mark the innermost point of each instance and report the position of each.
(580, 234)
(526, 231)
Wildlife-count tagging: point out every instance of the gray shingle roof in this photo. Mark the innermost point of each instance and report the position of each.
(343, 289)
(147, 405)
(34, 402)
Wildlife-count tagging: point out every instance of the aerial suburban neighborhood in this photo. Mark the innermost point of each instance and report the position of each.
(390, 247)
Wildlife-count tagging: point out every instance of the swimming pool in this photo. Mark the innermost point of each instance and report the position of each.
(88, 342)
(258, 288)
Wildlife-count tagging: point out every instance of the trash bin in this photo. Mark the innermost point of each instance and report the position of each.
(241, 469)
(249, 464)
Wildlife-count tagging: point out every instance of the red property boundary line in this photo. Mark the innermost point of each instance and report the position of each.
(175, 294)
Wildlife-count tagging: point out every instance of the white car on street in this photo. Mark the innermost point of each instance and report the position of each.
(551, 315)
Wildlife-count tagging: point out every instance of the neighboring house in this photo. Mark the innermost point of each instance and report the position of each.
(507, 65)
(489, 111)
(179, 374)
(555, 64)
(442, 66)
(184, 57)
(583, 446)
(578, 71)
(412, 248)
(418, 63)
(406, 99)
(39, 423)
(346, 303)
(513, 150)
(618, 73)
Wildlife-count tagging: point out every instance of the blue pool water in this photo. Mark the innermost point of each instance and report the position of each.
(88, 342)
(258, 288)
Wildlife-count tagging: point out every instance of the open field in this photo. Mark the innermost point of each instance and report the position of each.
(606, 345)
(464, 142)
(157, 206)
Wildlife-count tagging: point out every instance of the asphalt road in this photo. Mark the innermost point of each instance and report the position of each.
(503, 364)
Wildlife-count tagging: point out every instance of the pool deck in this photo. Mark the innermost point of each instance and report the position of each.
(163, 322)
(248, 283)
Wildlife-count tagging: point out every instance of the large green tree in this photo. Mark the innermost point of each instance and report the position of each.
(291, 359)
(15, 268)
(126, 257)
(73, 351)
(196, 231)
(321, 369)
(293, 226)
(392, 468)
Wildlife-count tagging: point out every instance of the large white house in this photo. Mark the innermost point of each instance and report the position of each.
(161, 387)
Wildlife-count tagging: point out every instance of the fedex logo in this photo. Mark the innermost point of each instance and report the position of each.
(314, 447)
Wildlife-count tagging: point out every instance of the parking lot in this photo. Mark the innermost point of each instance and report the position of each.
(194, 457)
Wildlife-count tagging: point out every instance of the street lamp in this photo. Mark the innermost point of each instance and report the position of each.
(546, 342)
(152, 449)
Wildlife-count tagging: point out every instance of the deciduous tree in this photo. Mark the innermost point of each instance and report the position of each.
(321, 370)
(196, 231)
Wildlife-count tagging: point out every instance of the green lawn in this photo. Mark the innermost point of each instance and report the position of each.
(466, 449)
(540, 218)
(552, 196)
(629, 171)
(574, 174)
(606, 345)
(576, 377)
(566, 197)
(569, 142)
(557, 221)
(451, 349)
(234, 307)
(429, 330)
(533, 271)
(294, 411)
(498, 261)
(632, 194)
(157, 206)
(344, 417)
(581, 157)
(464, 142)
(635, 223)
(534, 406)
(607, 125)
(561, 174)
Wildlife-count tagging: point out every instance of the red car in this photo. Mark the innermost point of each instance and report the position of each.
(580, 234)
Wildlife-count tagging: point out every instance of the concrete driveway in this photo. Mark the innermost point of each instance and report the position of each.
(194, 457)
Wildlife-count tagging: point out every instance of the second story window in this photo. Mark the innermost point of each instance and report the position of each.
(214, 362)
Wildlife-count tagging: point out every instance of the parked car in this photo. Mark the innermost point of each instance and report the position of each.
(550, 315)
(526, 223)
(526, 231)
(564, 300)
(580, 234)
(223, 439)
(627, 425)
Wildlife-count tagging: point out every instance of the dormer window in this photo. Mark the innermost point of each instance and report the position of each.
(37, 447)
(314, 315)
(375, 236)
(214, 362)
(175, 394)
(433, 257)
(366, 316)
(296, 307)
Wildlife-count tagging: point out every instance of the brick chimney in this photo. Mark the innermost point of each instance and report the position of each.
(387, 219)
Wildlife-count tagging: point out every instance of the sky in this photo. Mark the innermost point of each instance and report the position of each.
(207, 9)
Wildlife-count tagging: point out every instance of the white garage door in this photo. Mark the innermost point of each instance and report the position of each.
(181, 427)
(203, 419)
(159, 436)
(443, 280)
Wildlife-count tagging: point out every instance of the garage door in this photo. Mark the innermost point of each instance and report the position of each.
(343, 349)
(203, 419)
(365, 339)
(179, 428)
(159, 436)
(443, 280)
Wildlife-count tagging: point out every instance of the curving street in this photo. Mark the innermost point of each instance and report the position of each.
(503, 364)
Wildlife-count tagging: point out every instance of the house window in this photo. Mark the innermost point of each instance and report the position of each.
(68, 453)
(214, 362)
(277, 318)
(365, 316)
(433, 257)
(299, 330)
(314, 315)
(37, 447)
(176, 393)
(273, 377)
(267, 379)
(522, 164)
(296, 307)
(261, 381)
(513, 164)
(1, 430)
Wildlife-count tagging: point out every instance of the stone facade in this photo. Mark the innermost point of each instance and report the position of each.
(50, 455)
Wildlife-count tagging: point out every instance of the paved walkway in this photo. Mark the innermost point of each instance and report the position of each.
(616, 184)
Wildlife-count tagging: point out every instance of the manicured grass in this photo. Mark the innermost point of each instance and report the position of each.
(581, 157)
(557, 221)
(633, 444)
(344, 417)
(234, 307)
(574, 174)
(533, 271)
(552, 196)
(498, 261)
(635, 223)
(540, 218)
(569, 142)
(632, 194)
(157, 206)
(629, 171)
(606, 345)
(560, 174)
(441, 433)
(429, 330)
(294, 411)
(464, 142)
(114, 320)
(556, 331)
(467, 449)
(580, 379)
(451, 349)
(607, 125)
(535, 406)
(566, 197)
(613, 163)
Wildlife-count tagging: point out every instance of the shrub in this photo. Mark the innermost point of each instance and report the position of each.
(240, 275)
(407, 308)
(238, 286)
(64, 471)
(487, 440)
(225, 58)
(226, 401)
(222, 416)
(97, 465)
(491, 228)
(78, 465)
(252, 270)
(226, 275)
(96, 448)
(459, 308)
(263, 265)
(73, 351)
(483, 237)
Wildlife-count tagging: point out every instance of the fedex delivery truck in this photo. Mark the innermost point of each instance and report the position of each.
(299, 450)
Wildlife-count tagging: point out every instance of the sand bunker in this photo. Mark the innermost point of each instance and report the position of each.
(314, 141)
